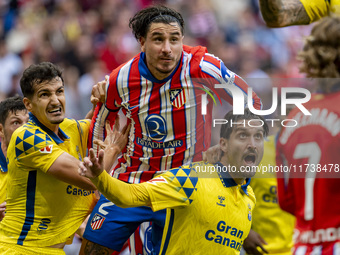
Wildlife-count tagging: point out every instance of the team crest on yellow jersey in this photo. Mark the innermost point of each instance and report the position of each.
(249, 212)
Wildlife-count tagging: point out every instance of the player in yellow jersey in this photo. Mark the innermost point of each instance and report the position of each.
(272, 228)
(47, 200)
(281, 13)
(209, 207)
(13, 114)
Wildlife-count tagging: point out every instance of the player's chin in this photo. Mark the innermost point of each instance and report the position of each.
(57, 120)
(248, 170)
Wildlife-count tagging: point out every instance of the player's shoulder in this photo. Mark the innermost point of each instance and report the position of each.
(28, 129)
(67, 123)
(196, 50)
(28, 139)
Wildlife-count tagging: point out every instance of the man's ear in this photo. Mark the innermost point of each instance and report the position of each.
(2, 134)
(224, 144)
(142, 43)
(27, 103)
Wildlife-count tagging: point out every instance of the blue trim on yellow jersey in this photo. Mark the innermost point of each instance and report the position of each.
(47, 130)
(228, 181)
(29, 218)
(168, 234)
(3, 161)
(145, 72)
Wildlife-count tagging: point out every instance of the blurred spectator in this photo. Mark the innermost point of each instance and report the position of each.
(10, 68)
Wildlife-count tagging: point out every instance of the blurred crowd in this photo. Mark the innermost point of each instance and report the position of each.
(88, 39)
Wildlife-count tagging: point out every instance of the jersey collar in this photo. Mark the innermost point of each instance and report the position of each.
(145, 72)
(48, 131)
(228, 181)
(3, 161)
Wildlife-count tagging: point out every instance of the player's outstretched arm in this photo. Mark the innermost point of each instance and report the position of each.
(65, 168)
(121, 193)
(281, 13)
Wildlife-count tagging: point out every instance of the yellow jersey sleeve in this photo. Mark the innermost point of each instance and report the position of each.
(174, 188)
(316, 9)
(35, 150)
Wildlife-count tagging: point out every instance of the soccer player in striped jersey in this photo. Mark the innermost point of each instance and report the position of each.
(311, 192)
(209, 206)
(162, 93)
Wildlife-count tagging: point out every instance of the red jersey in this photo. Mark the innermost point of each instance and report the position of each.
(168, 129)
(310, 189)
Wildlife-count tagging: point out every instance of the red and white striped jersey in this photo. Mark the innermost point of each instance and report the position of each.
(168, 129)
(309, 187)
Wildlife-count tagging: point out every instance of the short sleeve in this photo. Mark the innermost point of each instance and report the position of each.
(174, 188)
(34, 150)
(316, 9)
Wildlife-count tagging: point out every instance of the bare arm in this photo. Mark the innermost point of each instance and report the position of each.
(122, 194)
(114, 143)
(65, 168)
(281, 13)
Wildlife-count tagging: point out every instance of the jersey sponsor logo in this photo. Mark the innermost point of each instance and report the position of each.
(177, 97)
(47, 149)
(156, 180)
(226, 235)
(77, 191)
(156, 145)
(156, 127)
(97, 221)
(271, 197)
(221, 201)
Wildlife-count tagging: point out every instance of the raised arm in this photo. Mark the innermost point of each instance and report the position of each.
(281, 13)
(120, 193)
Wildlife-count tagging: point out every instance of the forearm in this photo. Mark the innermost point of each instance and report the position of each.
(280, 13)
(111, 154)
(120, 193)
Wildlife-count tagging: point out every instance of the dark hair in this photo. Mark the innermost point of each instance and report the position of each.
(227, 129)
(11, 104)
(141, 21)
(36, 74)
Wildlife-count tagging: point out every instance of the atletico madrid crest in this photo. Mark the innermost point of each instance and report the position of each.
(177, 97)
(97, 221)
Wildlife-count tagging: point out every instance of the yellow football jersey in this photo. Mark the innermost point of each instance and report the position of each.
(273, 224)
(41, 210)
(3, 176)
(207, 213)
(316, 9)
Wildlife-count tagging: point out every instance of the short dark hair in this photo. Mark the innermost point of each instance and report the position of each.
(227, 129)
(11, 104)
(36, 74)
(141, 21)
